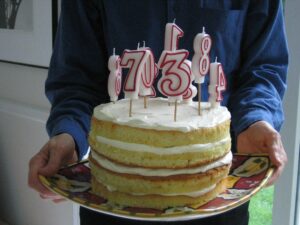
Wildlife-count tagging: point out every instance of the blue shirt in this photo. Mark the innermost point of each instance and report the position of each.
(248, 39)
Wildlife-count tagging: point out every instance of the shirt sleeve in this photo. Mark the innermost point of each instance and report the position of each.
(261, 82)
(77, 77)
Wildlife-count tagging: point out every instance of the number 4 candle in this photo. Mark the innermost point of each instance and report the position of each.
(217, 84)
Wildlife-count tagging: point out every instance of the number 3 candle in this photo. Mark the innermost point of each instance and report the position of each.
(176, 73)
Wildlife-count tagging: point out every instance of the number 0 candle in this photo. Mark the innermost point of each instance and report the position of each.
(148, 75)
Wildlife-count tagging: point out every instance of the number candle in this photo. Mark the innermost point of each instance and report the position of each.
(172, 35)
(192, 90)
(200, 61)
(176, 74)
(149, 73)
(134, 60)
(217, 84)
(115, 77)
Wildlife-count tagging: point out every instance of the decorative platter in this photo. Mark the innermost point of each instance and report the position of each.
(248, 175)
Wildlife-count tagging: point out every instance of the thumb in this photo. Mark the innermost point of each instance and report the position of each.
(53, 165)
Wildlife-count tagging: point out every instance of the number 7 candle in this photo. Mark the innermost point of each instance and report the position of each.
(134, 60)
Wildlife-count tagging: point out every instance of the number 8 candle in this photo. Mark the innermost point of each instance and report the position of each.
(200, 61)
(115, 77)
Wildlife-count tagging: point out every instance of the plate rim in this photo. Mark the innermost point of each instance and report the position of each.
(175, 216)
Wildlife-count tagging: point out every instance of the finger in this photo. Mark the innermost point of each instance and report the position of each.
(59, 200)
(278, 158)
(54, 197)
(52, 166)
(39, 160)
(276, 174)
(50, 195)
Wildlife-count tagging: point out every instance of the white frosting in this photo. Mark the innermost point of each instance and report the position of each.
(109, 165)
(160, 116)
(160, 151)
(190, 194)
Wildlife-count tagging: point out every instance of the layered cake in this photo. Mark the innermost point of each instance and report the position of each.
(149, 160)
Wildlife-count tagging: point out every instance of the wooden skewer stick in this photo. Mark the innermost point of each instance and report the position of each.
(175, 111)
(130, 108)
(199, 99)
(145, 102)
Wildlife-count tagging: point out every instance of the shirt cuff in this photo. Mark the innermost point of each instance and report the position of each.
(243, 120)
(71, 127)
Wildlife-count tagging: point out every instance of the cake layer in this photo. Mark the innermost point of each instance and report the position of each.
(157, 157)
(150, 160)
(158, 181)
(156, 201)
(158, 138)
(154, 126)
(159, 115)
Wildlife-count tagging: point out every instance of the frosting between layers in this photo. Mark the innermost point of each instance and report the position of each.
(109, 165)
(159, 115)
(160, 151)
(193, 194)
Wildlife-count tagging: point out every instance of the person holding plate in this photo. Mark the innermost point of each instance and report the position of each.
(248, 37)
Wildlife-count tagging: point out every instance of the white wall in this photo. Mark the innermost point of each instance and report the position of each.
(286, 189)
(23, 112)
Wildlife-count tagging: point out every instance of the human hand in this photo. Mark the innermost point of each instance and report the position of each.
(261, 137)
(57, 152)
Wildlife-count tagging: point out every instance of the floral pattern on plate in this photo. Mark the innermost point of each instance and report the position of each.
(248, 175)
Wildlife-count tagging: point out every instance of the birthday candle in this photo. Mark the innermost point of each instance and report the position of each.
(176, 74)
(192, 90)
(134, 60)
(115, 77)
(200, 61)
(172, 35)
(217, 83)
(149, 74)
